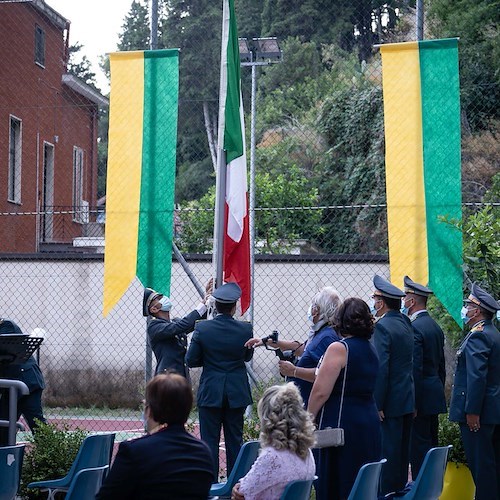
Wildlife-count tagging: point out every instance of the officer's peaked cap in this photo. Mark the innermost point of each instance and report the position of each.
(482, 298)
(416, 288)
(149, 296)
(229, 293)
(387, 289)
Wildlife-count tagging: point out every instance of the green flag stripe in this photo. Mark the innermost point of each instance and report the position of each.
(233, 135)
(441, 143)
(154, 253)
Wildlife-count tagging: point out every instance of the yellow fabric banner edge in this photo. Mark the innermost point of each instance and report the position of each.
(123, 175)
(404, 163)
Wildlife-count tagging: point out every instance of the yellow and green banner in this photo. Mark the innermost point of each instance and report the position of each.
(423, 179)
(141, 171)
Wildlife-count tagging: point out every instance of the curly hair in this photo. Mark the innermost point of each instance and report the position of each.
(353, 317)
(285, 424)
(327, 300)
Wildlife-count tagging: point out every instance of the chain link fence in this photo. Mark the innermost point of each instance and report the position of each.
(320, 217)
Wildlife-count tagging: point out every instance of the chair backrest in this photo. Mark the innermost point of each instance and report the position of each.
(86, 483)
(365, 486)
(298, 490)
(95, 451)
(429, 482)
(11, 462)
(244, 461)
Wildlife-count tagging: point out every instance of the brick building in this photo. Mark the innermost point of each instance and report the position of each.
(48, 132)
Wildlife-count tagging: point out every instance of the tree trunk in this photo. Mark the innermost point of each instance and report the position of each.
(212, 139)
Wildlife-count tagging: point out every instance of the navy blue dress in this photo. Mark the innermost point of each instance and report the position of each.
(338, 467)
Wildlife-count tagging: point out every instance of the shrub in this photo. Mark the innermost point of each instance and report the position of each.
(49, 455)
(449, 433)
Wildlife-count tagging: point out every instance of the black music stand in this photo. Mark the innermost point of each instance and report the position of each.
(17, 348)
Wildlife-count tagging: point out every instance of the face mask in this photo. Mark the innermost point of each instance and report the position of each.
(165, 303)
(463, 315)
(404, 310)
(310, 316)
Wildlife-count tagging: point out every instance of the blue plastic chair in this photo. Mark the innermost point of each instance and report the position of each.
(87, 483)
(298, 490)
(11, 462)
(366, 485)
(95, 451)
(429, 482)
(246, 457)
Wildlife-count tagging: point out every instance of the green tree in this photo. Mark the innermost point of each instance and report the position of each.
(476, 22)
(135, 28)
(80, 66)
(276, 230)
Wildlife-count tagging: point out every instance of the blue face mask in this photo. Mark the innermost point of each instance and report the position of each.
(463, 315)
(405, 310)
(165, 303)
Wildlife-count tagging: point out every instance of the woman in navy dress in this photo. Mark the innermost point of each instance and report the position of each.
(338, 467)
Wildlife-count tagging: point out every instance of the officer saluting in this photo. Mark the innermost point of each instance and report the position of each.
(475, 400)
(429, 373)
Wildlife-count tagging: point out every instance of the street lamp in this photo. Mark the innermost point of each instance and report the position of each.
(253, 53)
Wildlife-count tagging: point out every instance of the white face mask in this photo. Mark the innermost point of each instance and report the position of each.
(463, 314)
(310, 316)
(165, 304)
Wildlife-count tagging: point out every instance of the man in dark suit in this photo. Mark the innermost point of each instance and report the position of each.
(218, 346)
(168, 337)
(168, 462)
(394, 392)
(29, 406)
(475, 400)
(429, 373)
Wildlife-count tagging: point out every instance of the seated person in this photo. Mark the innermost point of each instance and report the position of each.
(286, 437)
(168, 462)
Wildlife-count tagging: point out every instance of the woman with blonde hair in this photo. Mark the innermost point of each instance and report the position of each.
(286, 437)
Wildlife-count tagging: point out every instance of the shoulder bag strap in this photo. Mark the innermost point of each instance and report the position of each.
(343, 389)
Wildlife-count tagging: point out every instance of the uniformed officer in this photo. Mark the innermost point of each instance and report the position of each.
(218, 346)
(29, 372)
(168, 337)
(475, 401)
(429, 373)
(394, 392)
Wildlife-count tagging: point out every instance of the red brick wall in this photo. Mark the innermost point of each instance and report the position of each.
(49, 112)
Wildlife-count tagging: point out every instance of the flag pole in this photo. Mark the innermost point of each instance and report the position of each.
(220, 185)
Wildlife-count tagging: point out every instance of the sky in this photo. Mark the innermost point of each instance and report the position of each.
(95, 24)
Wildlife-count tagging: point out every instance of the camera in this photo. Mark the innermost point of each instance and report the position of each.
(287, 355)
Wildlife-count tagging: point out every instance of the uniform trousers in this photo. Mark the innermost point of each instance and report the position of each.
(211, 421)
(424, 436)
(482, 449)
(396, 433)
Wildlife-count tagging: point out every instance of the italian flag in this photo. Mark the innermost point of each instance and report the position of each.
(236, 261)
(423, 181)
(141, 171)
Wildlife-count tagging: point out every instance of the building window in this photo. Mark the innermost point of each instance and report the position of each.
(15, 153)
(39, 46)
(80, 207)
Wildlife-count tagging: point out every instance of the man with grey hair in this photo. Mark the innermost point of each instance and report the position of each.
(321, 334)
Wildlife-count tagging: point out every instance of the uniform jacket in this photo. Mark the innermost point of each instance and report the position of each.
(476, 388)
(167, 465)
(218, 346)
(429, 372)
(393, 339)
(168, 339)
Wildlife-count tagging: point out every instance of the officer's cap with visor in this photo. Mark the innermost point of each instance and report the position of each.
(149, 296)
(229, 293)
(416, 288)
(482, 298)
(386, 289)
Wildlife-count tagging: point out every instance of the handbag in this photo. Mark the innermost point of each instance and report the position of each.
(332, 436)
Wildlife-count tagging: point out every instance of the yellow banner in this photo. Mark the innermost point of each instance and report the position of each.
(404, 163)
